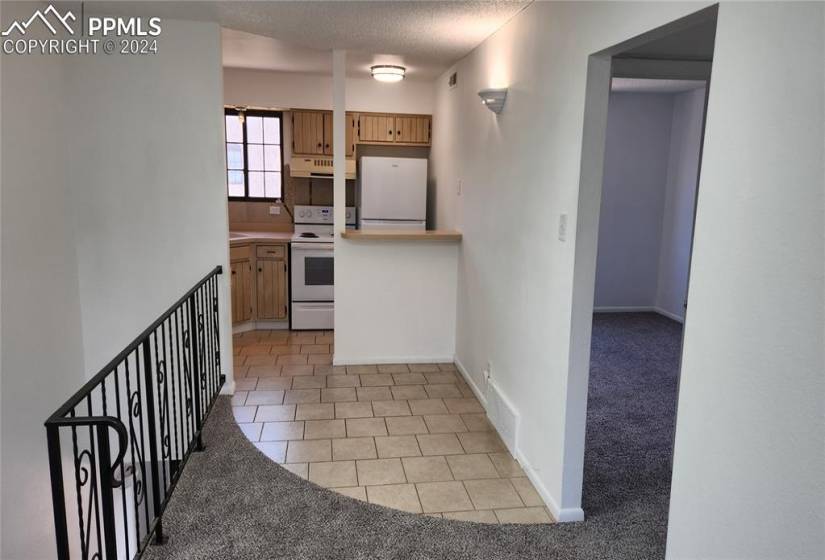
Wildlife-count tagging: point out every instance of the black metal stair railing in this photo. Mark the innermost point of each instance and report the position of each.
(154, 398)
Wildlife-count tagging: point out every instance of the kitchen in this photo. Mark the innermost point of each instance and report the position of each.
(279, 180)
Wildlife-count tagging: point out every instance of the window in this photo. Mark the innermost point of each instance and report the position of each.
(254, 155)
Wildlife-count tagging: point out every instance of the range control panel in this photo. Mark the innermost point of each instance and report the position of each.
(320, 215)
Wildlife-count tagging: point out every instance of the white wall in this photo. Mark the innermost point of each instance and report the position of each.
(395, 301)
(42, 352)
(310, 91)
(633, 197)
(148, 188)
(113, 205)
(520, 170)
(648, 193)
(680, 202)
(750, 438)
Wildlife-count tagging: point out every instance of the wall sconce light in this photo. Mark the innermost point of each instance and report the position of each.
(493, 99)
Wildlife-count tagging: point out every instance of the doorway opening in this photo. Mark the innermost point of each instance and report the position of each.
(641, 161)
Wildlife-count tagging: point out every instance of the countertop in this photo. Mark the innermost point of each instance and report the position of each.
(403, 235)
(241, 237)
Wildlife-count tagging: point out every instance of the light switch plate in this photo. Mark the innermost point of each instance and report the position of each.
(562, 227)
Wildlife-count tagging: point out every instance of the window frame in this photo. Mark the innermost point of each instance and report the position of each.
(252, 113)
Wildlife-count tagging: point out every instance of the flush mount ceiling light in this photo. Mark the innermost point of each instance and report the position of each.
(388, 72)
(493, 99)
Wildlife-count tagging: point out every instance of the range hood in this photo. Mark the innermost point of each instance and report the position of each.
(317, 167)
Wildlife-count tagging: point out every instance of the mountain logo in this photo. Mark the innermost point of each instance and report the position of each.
(22, 27)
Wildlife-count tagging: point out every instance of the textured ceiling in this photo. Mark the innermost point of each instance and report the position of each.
(640, 85)
(425, 36)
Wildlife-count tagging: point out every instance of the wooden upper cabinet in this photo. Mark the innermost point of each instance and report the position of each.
(376, 128)
(349, 127)
(308, 132)
(412, 129)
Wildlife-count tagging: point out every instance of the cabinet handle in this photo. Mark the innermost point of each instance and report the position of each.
(260, 270)
(326, 146)
(319, 144)
(389, 132)
(233, 273)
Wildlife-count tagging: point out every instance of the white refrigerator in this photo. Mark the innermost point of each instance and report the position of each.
(393, 193)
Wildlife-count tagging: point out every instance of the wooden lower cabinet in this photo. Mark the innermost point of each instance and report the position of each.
(260, 283)
(272, 291)
(241, 291)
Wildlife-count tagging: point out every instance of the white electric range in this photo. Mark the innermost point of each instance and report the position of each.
(313, 271)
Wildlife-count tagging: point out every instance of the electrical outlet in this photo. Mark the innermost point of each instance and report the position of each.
(274, 210)
(488, 371)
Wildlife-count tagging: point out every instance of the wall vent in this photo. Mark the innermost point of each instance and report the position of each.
(453, 80)
(503, 415)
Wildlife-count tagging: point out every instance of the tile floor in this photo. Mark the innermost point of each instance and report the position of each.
(410, 437)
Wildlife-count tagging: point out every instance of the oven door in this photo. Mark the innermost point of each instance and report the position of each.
(312, 271)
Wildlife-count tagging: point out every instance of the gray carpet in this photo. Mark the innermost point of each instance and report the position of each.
(234, 503)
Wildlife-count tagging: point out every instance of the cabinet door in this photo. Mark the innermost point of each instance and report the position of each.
(374, 128)
(412, 129)
(350, 125)
(241, 291)
(272, 291)
(307, 132)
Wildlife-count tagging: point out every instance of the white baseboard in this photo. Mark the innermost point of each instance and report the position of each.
(559, 514)
(370, 360)
(480, 395)
(566, 515)
(639, 309)
(228, 387)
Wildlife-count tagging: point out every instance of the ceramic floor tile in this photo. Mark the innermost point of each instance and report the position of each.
(376, 380)
(309, 382)
(295, 370)
(506, 466)
(239, 398)
(340, 394)
(251, 431)
(409, 392)
(440, 444)
(357, 370)
(275, 413)
(361, 409)
(440, 378)
(405, 425)
(311, 451)
(374, 393)
(463, 406)
(343, 381)
(427, 469)
(324, 429)
(244, 413)
(356, 492)
(427, 406)
(292, 359)
(373, 472)
(281, 431)
(477, 422)
(360, 427)
(523, 515)
(264, 371)
(397, 446)
(447, 367)
(246, 384)
(324, 369)
(261, 360)
(483, 516)
(264, 397)
(353, 448)
(295, 396)
(393, 368)
(300, 469)
(320, 359)
(396, 496)
(493, 494)
(315, 411)
(526, 492)
(481, 442)
(421, 368)
(315, 348)
(437, 497)
(444, 423)
(390, 408)
(274, 383)
(443, 391)
(467, 467)
(275, 450)
(284, 350)
(332, 474)
(408, 379)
